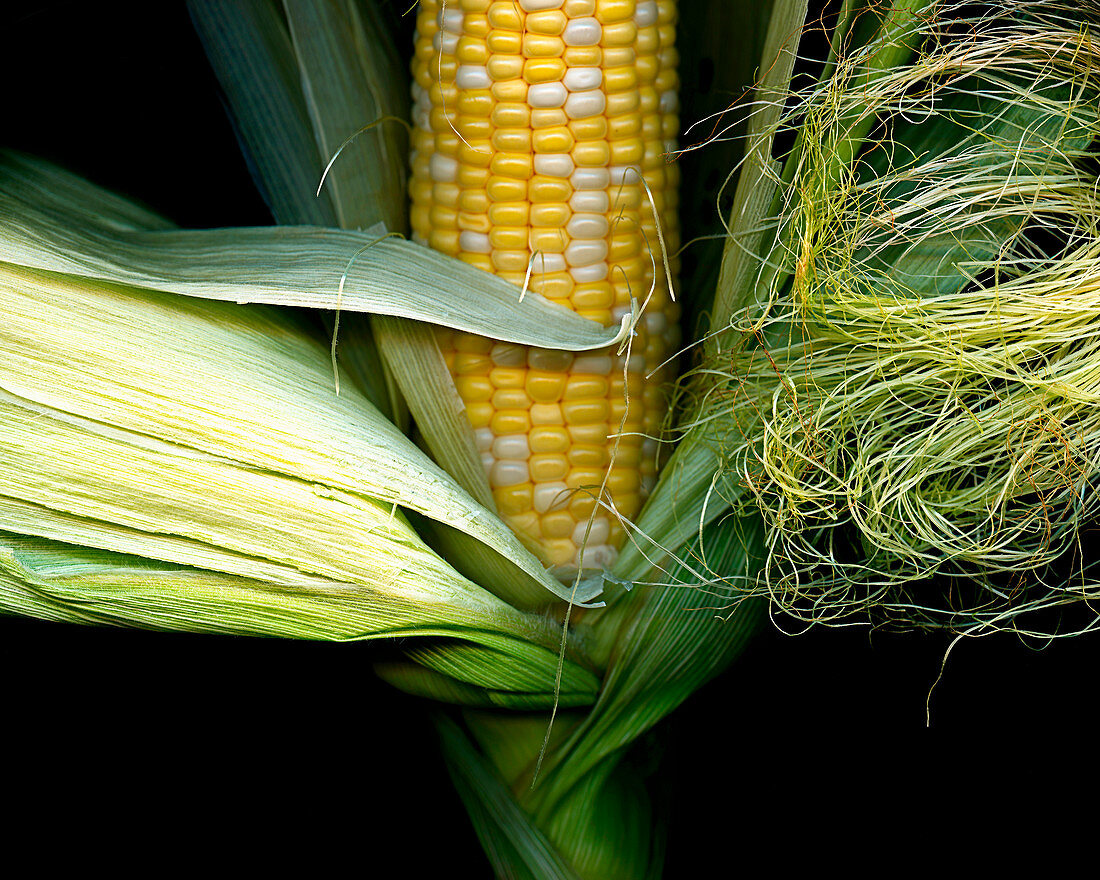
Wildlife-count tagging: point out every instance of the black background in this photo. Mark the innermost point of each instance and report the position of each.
(253, 752)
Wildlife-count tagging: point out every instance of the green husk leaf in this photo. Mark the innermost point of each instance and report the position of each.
(197, 390)
(288, 266)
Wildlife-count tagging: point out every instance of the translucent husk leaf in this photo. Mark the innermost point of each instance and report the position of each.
(220, 382)
(60, 228)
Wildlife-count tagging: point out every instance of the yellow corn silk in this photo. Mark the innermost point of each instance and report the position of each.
(541, 134)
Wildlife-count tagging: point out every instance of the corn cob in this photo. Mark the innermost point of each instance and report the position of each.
(541, 129)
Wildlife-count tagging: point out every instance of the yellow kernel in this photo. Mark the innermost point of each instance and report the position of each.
(511, 399)
(558, 524)
(548, 117)
(473, 128)
(512, 140)
(589, 128)
(481, 261)
(625, 454)
(516, 165)
(472, 51)
(508, 377)
(559, 551)
(474, 389)
(510, 90)
(550, 213)
(512, 500)
(584, 388)
(508, 238)
(619, 103)
(507, 15)
(475, 154)
(504, 42)
(511, 115)
(623, 246)
(506, 189)
(549, 21)
(511, 261)
(444, 240)
(474, 222)
(548, 240)
(475, 22)
(546, 414)
(591, 153)
(548, 439)
(581, 506)
(608, 11)
(629, 503)
(554, 140)
(543, 189)
(543, 387)
(588, 456)
(476, 201)
(579, 8)
(619, 34)
(473, 177)
(543, 70)
(595, 434)
(593, 295)
(543, 47)
(552, 285)
(548, 468)
(588, 478)
(509, 213)
(446, 194)
(512, 421)
(583, 56)
(600, 316)
(479, 414)
(586, 412)
(502, 68)
(618, 79)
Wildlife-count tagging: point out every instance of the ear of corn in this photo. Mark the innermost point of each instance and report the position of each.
(539, 143)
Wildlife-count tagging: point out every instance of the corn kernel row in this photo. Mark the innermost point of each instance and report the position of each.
(540, 134)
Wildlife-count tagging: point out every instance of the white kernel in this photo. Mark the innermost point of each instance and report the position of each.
(508, 473)
(550, 495)
(586, 253)
(581, 105)
(594, 364)
(445, 42)
(544, 262)
(593, 535)
(444, 169)
(583, 32)
(512, 447)
(450, 19)
(620, 312)
(474, 242)
(487, 461)
(590, 178)
(579, 79)
(587, 274)
(554, 164)
(621, 174)
(636, 364)
(540, 5)
(656, 323)
(483, 437)
(649, 448)
(647, 484)
(645, 14)
(600, 556)
(543, 96)
(507, 354)
(472, 76)
(590, 200)
(587, 226)
(670, 101)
